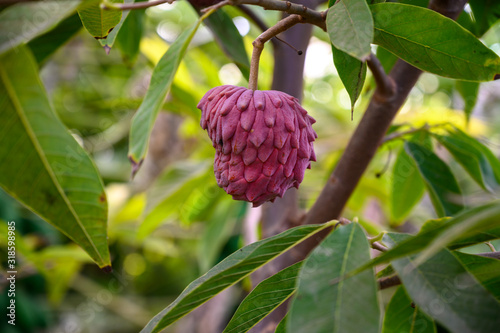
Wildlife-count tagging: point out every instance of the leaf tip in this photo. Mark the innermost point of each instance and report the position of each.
(107, 269)
(107, 49)
(136, 165)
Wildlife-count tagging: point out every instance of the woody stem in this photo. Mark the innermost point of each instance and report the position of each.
(258, 46)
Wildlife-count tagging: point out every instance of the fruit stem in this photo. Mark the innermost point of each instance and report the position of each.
(258, 45)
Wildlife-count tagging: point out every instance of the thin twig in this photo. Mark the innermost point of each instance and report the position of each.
(217, 5)
(310, 15)
(385, 83)
(388, 282)
(137, 5)
(492, 248)
(494, 255)
(398, 135)
(379, 247)
(258, 45)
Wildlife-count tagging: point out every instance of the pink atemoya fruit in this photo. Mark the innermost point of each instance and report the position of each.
(263, 141)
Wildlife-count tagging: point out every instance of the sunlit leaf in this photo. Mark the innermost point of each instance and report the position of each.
(402, 316)
(17, 21)
(161, 80)
(349, 24)
(441, 184)
(99, 22)
(433, 43)
(44, 167)
(229, 271)
(444, 290)
(320, 305)
(267, 296)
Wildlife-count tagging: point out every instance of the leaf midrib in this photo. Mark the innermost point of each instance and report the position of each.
(430, 48)
(11, 91)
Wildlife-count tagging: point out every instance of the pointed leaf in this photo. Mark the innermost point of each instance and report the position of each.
(486, 270)
(402, 316)
(229, 271)
(17, 21)
(441, 184)
(433, 42)
(267, 296)
(161, 80)
(44, 167)
(110, 39)
(351, 71)
(322, 306)
(350, 26)
(99, 22)
(447, 292)
(468, 90)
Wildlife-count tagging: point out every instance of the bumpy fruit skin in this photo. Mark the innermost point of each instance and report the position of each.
(263, 141)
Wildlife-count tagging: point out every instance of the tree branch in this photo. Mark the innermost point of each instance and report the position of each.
(258, 45)
(137, 5)
(309, 15)
(384, 82)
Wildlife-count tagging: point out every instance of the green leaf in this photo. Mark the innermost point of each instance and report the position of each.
(17, 21)
(219, 228)
(472, 160)
(129, 38)
(386, 58)
(161, 80)
(229, 271)
(44, 167)
(228, 37)
(480, 237)
(486, 14)
(281, 328)
(444, 290)
(408, 187)
(99, 22)
(441, 184)
(468, 90)
(433, 43)
(267, 296)
(349, 24)
(45, 45)
(476, 145)
(402, 316)
(110, 39)
(486, 270)
(322, 306)
(351, 71)
(468, 224)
